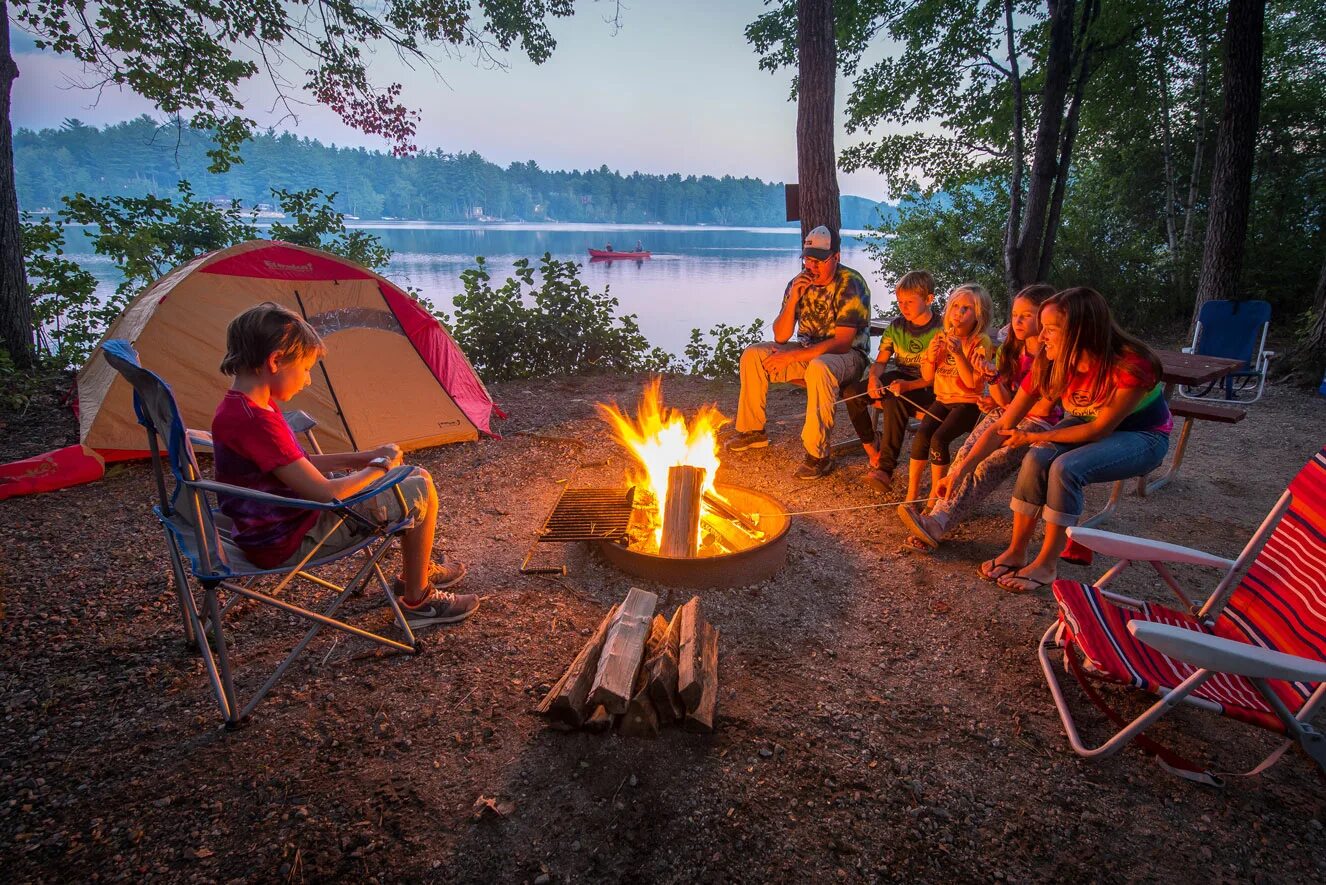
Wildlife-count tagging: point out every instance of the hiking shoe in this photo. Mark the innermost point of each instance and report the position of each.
(814, 468)
(879, 480)
(446, 573)
(440, 608)
(751, 439)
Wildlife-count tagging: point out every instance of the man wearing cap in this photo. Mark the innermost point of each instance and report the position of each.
(827, 306)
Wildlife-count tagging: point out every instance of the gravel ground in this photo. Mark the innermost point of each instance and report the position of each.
(881, 712)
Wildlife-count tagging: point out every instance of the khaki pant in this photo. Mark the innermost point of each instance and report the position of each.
(823, 376)
(408, 498)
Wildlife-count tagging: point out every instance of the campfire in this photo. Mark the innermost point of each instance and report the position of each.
(679, 510)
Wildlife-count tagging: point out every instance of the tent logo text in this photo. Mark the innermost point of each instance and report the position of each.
(276, 265)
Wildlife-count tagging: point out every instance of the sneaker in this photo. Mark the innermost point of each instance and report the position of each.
(879, 480)
(814, 468)
(751, 439)
(446, 573)
(440, 608)
(441, 575)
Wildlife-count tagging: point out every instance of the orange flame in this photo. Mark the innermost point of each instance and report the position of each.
(659, 437)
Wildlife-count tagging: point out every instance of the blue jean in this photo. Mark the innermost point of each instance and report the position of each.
(1054, 475)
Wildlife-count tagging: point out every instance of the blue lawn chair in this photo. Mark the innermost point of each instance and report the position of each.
(1235, 330)
(195, 530)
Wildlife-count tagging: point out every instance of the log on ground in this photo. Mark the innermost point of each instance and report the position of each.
(702, 718)
(565, 701)
(660, 672)
(623, 650)
(690, 671)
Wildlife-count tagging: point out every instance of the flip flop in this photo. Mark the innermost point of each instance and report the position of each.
(1026, 586)
(921, 535)
(987, 570)
(916, 544)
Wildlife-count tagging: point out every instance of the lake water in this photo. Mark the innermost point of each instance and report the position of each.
(697, 277)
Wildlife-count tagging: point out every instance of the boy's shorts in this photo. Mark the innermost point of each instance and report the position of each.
(409, 497)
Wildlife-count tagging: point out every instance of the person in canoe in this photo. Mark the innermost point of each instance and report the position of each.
(607, 247)
(639, 246)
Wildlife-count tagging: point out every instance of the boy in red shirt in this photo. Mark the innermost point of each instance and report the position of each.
(270, 351)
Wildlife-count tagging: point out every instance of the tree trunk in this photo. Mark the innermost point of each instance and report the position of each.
(1016, 160)
(1199, 142)
(1236, 141)
(1045, 160)
(15, 302)
(1307, 359)
(1167, 146)
(817, 164)
(1089, 13)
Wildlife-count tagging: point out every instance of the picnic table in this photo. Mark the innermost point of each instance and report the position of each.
(1190, 369)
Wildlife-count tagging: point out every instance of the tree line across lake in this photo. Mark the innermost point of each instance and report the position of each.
(143, 156)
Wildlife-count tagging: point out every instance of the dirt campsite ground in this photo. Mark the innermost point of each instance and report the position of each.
(881, 713)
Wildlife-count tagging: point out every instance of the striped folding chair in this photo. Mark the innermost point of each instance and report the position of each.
(1255, 651)
(197, 533)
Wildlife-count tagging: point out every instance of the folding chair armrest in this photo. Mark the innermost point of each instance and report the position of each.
(199, 439)
(1225, 655)
(1185, 350)
(299, 420)
(391, 479)
(1143, 549)
(208, 485)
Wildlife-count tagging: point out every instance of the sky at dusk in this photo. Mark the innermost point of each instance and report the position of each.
(676, 89)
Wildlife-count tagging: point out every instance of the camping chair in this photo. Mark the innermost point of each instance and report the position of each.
(1255, 651)
(1235, 330)
(195, 530)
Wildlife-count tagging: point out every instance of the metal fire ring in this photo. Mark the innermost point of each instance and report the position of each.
(727, 570)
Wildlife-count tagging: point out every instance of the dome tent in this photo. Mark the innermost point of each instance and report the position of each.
(391, 372)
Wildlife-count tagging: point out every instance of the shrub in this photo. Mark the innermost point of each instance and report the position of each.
(556, 326)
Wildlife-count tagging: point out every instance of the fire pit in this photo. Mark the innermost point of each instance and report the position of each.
(759, 561)
(685, 530)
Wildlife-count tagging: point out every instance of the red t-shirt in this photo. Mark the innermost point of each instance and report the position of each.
(1129, 373)
(248, 444)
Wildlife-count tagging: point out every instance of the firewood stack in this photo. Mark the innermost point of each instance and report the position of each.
(640, 672)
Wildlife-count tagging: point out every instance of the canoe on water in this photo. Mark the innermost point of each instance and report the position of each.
(599, 253)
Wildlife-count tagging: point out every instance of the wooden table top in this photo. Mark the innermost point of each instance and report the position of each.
(1191, 368)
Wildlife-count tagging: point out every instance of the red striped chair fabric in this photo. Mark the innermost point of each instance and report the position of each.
(1280, 605)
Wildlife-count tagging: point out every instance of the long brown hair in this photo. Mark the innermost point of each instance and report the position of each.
(1010, 351)
(1090, 330)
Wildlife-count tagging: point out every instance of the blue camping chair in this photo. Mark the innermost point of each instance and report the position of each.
(1235, 330)
(195, 530)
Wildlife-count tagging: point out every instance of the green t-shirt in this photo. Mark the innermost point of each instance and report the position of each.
(845, 301)
(908, 343)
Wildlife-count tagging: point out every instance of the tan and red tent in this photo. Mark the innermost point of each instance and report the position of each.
(391, 372)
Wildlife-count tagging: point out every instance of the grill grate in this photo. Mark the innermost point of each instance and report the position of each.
(589, 515)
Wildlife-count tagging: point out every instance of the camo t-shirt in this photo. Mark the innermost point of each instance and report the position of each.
(845, 301)
(908, 342)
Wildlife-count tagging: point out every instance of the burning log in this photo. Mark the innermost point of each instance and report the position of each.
(565, 701)
(681, 512)
(623, 649)
(733, 536)
(722, 508)
(701, 717)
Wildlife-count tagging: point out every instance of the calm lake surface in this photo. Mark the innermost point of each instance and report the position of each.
(697, 277)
